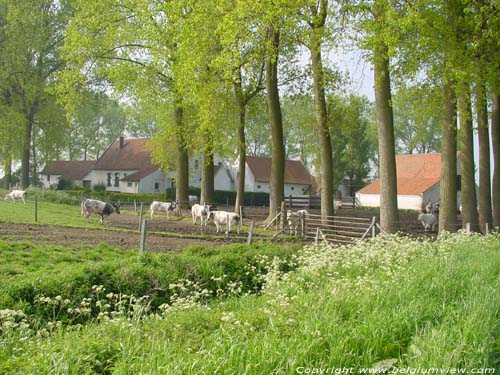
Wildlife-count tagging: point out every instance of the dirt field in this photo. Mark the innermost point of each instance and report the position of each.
(168, 234)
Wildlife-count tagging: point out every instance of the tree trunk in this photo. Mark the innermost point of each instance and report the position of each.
(25, 161)
(277, 179)
(240, 191)
(7, 167)
(448, 184)
(326, 163)
(468, 199)
(484, 158)
(207, 179)
(389, 216)
(495, 141)
(182, 162)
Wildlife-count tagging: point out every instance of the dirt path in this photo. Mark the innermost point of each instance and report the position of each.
(82, 237)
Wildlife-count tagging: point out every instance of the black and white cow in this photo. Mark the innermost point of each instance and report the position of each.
(162, 207)
(221, 218)
(93, 206)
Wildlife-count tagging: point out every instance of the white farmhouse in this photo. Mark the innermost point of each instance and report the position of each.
(76, 171)
(418, 178)
(126, 166)
(298, 180)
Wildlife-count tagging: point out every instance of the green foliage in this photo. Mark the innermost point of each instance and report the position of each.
(30, 274)
(228, 197)
(64, 184)
(351, 307)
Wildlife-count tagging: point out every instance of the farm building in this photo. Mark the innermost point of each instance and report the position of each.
(76, 171)
(418, 179)
(126, 166)
(298, 180)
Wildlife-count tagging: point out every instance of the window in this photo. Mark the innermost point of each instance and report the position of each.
(110, 176)
(129, 184)
(117, 179)
(48, 178)
(196, 164)
(258, 186)
(292, 188)
(157, 186)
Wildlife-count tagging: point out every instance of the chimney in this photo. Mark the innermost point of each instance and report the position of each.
(121, 142)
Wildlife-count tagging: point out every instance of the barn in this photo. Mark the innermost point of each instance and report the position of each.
(418, 177)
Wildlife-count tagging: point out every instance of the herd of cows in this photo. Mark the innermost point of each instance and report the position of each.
(429, 219)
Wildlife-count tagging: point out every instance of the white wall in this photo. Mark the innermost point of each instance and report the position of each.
(129, 187)
(408, 202)
(147, 184)
(222, 181)
(54, 179)
(296, 189)
(101, 177)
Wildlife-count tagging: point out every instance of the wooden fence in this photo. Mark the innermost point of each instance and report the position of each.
(303, 201)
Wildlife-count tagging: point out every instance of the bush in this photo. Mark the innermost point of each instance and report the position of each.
(65, 184)
(100, 188)
(227, 197)
(223, 270)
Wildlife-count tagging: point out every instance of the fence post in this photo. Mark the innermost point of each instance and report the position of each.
(290, 201)
(467, 228)
(135, 207)
(240, 222)
(36, 207)
(486, 228)
(141, 213)
(283, 214)
(316, 239)
(227, 226)
(144, 233)
(374, 227)
(250, 233)
(276, 223)
(303, 226)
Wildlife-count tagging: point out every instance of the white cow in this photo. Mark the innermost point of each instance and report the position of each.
(293, 219)
(17, 194)
(162, 207)
(429, 221)
(93, 206)
(200, 211)
(221, 218)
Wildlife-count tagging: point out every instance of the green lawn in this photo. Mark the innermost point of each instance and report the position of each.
(411, 304)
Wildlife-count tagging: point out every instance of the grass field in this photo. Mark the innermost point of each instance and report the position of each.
(408, 303)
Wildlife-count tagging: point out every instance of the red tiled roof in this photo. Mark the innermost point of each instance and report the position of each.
(415, 174)
(295, 170)
(69, 169)
(139, 175)
(133, 155)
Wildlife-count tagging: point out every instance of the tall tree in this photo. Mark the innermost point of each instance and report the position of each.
(389, 216)
(318, 14)
(495, 141)
(448, 184)
(277, 179)
(468, 182)
(485, 217)
(34, 33)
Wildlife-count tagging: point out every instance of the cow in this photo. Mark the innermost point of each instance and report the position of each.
(162, 207)
(200, 211)
(93, 206)
(224, 218)
(429, 221)
(17, 194)
(294, 219)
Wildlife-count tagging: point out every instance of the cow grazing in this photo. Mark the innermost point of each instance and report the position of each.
(93, 206)
(221, 218)
(162, 207)
(200, 211)
(17, 194)
(429, 221)
(294, 219)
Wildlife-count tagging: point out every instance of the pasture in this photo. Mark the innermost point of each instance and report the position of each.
(252, 310)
